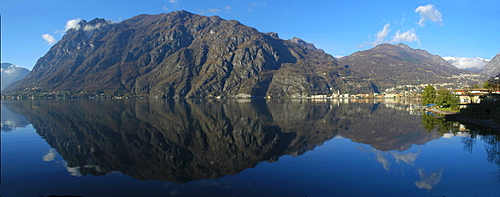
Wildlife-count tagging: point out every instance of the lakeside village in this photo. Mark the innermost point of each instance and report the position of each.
(467, 95)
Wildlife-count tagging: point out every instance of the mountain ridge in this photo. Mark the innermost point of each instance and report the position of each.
(388, 65)
(492, 68)
(183, 55)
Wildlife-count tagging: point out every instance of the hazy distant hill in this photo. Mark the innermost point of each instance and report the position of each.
(12, 73)
(471, 64)
(493, 66)
(186, 55)
(389, 65)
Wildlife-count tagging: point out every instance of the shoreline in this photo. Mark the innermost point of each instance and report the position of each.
(486, 123)
(442, 112)
(457, 116)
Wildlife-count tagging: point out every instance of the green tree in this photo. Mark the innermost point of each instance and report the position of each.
(429, 95)
(446, 98)
(493, 83)
(488, 85)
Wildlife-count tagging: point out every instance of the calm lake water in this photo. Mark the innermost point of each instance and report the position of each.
(241, 148)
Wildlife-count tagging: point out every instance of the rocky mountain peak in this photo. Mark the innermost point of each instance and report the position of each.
(403, 46)
(179, 55)
(273, 35)
(90, 26)
(303, 43)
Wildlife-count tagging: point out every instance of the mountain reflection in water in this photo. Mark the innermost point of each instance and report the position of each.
(187, 140)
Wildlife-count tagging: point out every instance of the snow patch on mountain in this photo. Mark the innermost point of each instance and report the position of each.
(474, 64)
(11, 73)
(10, 68)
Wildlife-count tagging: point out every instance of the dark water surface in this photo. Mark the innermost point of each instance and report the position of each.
(241, 148)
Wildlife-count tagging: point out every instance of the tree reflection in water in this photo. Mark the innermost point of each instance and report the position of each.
(470, 133)
(433, 122)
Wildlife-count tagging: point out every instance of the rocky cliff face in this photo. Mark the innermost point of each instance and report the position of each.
(184, 55)
(492, 68)
(389, 65)
(12, 73)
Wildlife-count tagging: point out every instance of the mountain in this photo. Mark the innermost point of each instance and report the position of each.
(389, 65)
(493, 66)
(465, 63)
(179, 54)
(12, 73)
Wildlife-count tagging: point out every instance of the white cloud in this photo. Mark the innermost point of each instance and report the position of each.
(174, 3)
(428, 181)
(408, 158)
(381, 35)
(255, 5)
(72, 24)
(49, 39)
(213, 10)
(382, 159)
(92, 27)
(228, 7)
(73, 171)
(408, 36)
(50, 155)
(429, 12)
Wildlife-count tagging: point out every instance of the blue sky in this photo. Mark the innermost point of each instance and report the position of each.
(461, 28)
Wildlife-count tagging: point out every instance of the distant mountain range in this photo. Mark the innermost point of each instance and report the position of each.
(12, 73)
(465, 63)
(184, 55)
(389, 65)
(493, 66)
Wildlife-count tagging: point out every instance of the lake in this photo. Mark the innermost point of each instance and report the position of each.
(242, 148)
